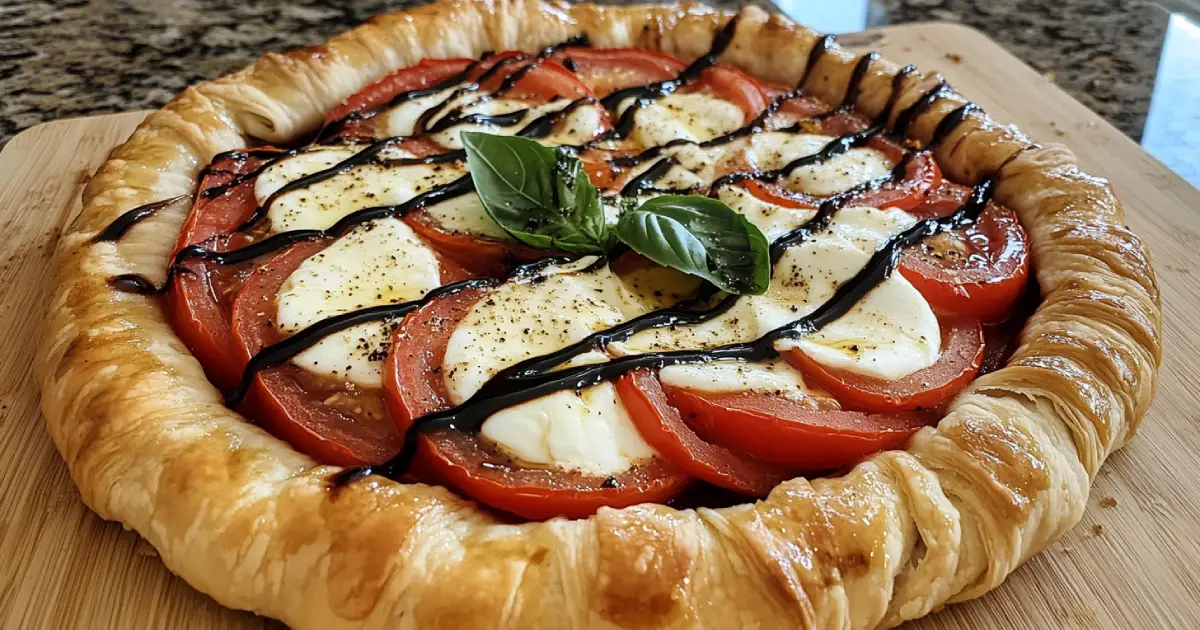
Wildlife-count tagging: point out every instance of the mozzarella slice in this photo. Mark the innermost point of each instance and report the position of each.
(321, 204)
(776, 378)
(465, 215)
(774, 150)
(772, 219)
(377, 263)
(531, 317)
(889, 334)
(694, 116)
(588, 431)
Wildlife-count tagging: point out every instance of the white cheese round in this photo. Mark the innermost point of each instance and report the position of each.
(380, 262)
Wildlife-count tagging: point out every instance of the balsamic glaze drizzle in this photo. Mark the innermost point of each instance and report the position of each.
(127, 220)
(524, 382)
(950, 123)
(814, 57)
(133, 283)
(905, 119)
(645, 94)
(856, 78)
(537, 376)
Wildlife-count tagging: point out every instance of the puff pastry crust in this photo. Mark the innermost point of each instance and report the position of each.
(244, 518)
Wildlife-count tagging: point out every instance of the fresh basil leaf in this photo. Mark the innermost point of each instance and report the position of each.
(579, 201)
(540, 196)
(700, 236)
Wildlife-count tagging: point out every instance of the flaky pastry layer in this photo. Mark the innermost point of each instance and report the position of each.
(243, 517)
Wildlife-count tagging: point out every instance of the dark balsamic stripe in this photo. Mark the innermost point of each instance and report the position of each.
(455, 119)
(221, 189)
(814, 57)
(521, 383)
(856, 78)
(127, 220)
(456, 188)
(645, 94)
(336, 126)
(287, 349)
(429, 114)
(905, 120)
(644, 182)
(535, 372)
(361, 157)
(544, 124)
(133, 283)
(511, 80)
(950, 123)
(898, 80)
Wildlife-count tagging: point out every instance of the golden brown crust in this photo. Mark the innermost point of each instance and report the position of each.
(243, 517)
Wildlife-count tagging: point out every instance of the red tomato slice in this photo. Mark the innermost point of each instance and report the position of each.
(962, 352)
(414, 388)
(427, 73)
(980, 270)
(662, 426)
(733, 85)
(199, 299)
(606, 70)
(548, 81)
(283, 397)
(801, 434)
(482, 255)
(294, 404)
(921, 175)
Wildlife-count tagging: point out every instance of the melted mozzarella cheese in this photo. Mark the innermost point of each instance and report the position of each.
(321, 204)
(775, 150)
(589, 431)
(377, 263)
(775, 377)
(891, 333)
(771, 219)
(531, 317)
(401, 120)
(464, 214)
(696, 117)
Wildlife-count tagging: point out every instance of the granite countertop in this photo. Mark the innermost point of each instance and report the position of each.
(64, 58)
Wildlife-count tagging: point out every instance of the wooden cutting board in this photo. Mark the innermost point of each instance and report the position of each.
(1133, 562)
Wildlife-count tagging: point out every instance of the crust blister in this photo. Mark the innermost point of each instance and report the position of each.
(243, 517)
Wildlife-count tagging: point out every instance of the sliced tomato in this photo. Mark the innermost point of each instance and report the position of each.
(415, 387)
(606, 70)
(962, 351)
(335, 423)
(200, 296)
(921, 175)
(802, 434)
(353, 117)
(662, 426)
(548, 81)
(283, 396)
(733, 85)
(980, 270)
(482, 255)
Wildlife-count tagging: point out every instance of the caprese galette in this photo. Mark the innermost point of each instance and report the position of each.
(560, 259)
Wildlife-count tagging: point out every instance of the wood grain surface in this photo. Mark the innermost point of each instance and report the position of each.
(1133, 562)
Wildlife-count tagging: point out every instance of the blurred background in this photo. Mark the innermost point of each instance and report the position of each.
(1137, 63)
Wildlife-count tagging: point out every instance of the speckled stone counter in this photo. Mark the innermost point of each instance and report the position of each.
(72, 58)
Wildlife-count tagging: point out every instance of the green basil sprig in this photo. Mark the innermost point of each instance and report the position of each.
(543, 197)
